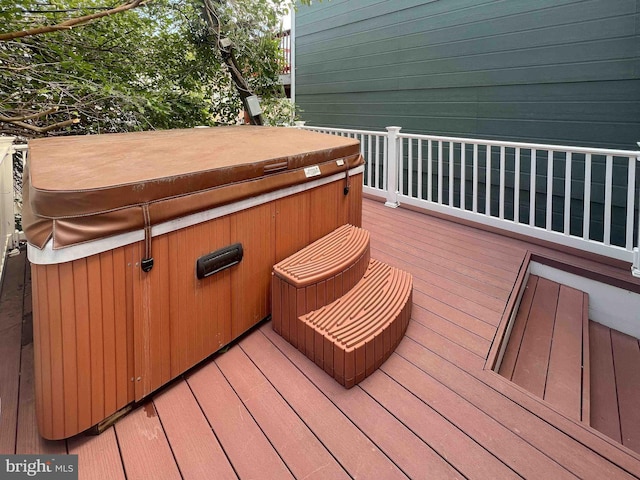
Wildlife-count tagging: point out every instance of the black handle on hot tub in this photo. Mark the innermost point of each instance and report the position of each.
(219, 260)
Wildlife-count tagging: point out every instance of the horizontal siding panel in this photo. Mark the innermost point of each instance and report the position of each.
(407, 49)
(603, 70)
(447, 24)
(620, 112)
(590, 52)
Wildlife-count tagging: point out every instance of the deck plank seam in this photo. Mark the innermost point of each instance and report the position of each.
(553, 330)
(421, 325)
(186, 381)
(524, 330)
(463, 269)
(331, 401)
(428, 275)
(358, 386)
(441, 415)
(408, 427)
(487, 237)
(166, 436)
(237, 345)
(474, 258)
(479, 378)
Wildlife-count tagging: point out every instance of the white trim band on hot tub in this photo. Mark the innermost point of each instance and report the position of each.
(49, 256)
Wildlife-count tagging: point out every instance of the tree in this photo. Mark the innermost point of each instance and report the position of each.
(152, 66)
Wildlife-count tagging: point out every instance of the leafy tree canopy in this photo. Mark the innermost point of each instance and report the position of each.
(154, 66)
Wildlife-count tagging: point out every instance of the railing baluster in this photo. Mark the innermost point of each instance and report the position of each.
(369, 160)
(586, 219)
(401, 165)
(377, 160)
(385, 162)
(463, 178)
(516, 187)
(451, 173)
(475, 178)
(567, 194)
(440, 173)
(419, 168)
(631, 197)
(429, 170)
(502, 174)
(487, 199)
(532, 189)
(608, 187)
(549, 219)
(410, 167)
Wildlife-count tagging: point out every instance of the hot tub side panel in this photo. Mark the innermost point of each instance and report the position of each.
(107, 334)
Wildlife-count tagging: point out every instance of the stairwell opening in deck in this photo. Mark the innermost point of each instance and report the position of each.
(573, 341)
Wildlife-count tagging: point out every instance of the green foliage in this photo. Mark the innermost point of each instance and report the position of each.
(152, 67)
(279, 111)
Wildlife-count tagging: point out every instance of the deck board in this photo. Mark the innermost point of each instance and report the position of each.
(11, 301)
(144, 447)
(530, 371)
(540, 434)
(564, 378)
(412, 455)
(98, 456)
(352, 449)
(604, 398)
(245, 444)
(515, 338)
(190, 435)
(626, 357)
(431, 408)
(299, 448)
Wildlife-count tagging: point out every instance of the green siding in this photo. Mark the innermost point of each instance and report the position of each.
(552, 71)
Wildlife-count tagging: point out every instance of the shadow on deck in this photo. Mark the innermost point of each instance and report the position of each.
(263, 410)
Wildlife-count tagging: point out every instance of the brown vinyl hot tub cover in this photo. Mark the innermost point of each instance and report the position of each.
(82, 188)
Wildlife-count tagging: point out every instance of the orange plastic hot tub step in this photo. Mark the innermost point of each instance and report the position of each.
(315, 276)
(354, 335)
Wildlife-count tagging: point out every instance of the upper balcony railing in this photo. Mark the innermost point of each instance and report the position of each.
(285, 51)
(585, 198)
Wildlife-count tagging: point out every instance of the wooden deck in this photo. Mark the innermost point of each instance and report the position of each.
(263, 410)
(544, 354)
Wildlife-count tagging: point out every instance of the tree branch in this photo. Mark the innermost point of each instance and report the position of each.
(73, 22)
(19, 121)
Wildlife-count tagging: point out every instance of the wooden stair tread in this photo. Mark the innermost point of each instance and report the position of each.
(325, 257)
(351, 337)
(315, 276)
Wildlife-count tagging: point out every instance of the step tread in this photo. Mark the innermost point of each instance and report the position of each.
(365, 309)
(352, 336)
(325, 257)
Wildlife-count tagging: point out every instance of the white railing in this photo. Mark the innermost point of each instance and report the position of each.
(585, 198)
(8, 235)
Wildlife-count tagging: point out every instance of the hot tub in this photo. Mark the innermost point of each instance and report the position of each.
(150, 251)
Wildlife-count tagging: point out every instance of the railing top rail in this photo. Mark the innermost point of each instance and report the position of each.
(343, 130)
(481, 141)
(525, 145)
(20, 147)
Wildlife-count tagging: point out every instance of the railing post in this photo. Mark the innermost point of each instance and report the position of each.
(7, 219)
(393, 163)
(635, 267)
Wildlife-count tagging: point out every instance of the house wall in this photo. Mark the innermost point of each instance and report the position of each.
(552, 71)
(546, 71)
